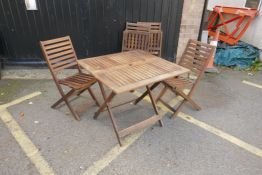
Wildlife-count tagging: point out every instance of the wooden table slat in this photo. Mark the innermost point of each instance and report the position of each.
(127, 71)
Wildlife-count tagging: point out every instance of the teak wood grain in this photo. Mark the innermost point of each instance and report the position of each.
(126, 71)
(195, 58)
(59, 54)
(145, 36)
(155, 37)
(133, 40)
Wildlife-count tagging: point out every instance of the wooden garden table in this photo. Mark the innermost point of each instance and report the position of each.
(127, 71)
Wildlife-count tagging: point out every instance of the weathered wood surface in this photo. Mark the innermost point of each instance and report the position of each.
(59, 54)
(126, 71)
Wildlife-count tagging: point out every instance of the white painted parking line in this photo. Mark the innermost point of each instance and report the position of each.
(111, 155)
(236, 141)
(252, 84)
(19, 100)
(22, 139)
(99, 165)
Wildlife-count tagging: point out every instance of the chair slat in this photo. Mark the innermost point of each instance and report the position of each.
(133, 40)
(60, 44)
(65, 57)
(196, 55)
(59, 53)
(201, 48)
(63, 63)
(65, 66)
(55, 41)
(152, 25)
(136, 27)
(59, 50)
(193, 64)
(194, 60)
(197, 52)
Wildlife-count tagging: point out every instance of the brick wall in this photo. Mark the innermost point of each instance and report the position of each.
(190, 24)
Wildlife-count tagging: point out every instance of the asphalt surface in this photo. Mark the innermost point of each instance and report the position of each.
(70, 147)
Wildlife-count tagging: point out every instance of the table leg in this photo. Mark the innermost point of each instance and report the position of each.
(113, 120)
(140, 125)
(107, 100)
(154, 103)
(106, 104)
(145, 93)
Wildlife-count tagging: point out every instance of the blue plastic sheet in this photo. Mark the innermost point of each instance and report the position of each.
(241, 55)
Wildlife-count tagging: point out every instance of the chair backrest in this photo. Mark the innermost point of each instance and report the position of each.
(154, 26)
(59, 53)
(155, 42)
(155, 38)
(133, 40)
(196, 56)
(154, 45)
(137, 27)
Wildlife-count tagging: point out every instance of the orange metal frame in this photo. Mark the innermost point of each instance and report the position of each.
(242, 16)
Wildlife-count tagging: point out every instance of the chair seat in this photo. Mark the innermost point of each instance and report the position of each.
(179, 82)
(78, 81)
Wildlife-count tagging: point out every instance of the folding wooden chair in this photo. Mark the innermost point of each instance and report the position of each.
(59, 55)
(195, 57)
(155, 37)
(154, 42)
(133, 40)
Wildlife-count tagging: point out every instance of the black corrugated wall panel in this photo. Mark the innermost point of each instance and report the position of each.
(95, 26)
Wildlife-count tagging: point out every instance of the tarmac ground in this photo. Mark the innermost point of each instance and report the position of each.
(223, 138)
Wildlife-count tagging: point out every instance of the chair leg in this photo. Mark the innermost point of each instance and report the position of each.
(80, 92)
(163, 91)
(167, 105)
(63, 98)
(72, 110)
(58, 102)
(154, 104)
(195, 105)
(178, 109)
(162, 101)
(93, 96)
(188, 98)
(145, 93)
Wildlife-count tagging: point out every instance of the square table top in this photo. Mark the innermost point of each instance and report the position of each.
(126, 71)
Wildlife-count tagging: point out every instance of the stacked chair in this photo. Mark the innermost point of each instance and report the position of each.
(145, 36)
